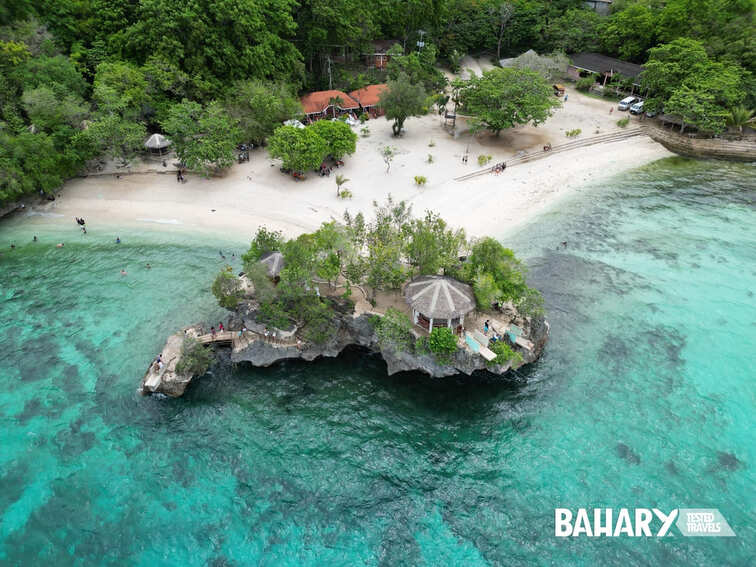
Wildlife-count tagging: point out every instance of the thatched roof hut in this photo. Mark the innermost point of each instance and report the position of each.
(157, 144)
(273, 262)
(438, 301)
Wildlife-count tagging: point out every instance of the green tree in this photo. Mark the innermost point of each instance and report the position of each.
(264, 242)
(575, 30)
(430, 246)
(339, 137)
(419, 67)
(227, 288)
(402, 99)
(203, 137)
(300, 149)
(696, 108)
(630, 32)
(114, 136)
(58, 73)
(216, 42)
(194, 359)
(740, 116)
(260, 107)
(668, 67)
(504, 98)
(48, 111)
(488, 256)
(121, 88)
(340, 180)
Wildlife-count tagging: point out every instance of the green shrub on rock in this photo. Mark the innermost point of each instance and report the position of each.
(194, 358)
(227, 288)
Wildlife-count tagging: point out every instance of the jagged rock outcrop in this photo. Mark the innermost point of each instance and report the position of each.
(256, 349)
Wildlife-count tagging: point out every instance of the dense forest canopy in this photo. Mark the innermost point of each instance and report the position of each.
(84, 78)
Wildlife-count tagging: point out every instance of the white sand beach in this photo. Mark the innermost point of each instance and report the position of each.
(257, 193)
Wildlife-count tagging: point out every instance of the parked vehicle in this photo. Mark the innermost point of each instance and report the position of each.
(627, 102)
(637, 108)
(651, 113)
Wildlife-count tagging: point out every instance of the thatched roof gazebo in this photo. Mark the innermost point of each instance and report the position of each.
(274, 263)
(157, 144)
(438, 301)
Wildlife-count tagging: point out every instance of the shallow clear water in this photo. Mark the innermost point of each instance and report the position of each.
(333, 463)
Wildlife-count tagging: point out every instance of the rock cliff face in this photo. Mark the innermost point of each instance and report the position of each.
(351, 331)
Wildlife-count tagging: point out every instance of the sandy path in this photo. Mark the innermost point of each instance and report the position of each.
(257, 193)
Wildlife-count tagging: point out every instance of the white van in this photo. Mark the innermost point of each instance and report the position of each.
(626, 102)
(637, 108)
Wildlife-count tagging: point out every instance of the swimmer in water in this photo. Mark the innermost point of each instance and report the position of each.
(59, 245)
(118, 239)
(123, 272)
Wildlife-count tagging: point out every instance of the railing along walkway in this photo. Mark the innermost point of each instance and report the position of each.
(602, 138)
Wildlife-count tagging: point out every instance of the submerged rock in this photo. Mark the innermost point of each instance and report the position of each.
(626, 453)
(728, 461)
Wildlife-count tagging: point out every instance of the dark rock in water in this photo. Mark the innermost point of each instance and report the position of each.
(626, 453)
(728, 461)
(671, 467)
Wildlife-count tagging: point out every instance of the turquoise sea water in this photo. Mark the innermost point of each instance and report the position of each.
(644, 398)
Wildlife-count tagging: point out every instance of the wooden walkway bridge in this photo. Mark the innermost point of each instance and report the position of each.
(241, 339)
(600, 139)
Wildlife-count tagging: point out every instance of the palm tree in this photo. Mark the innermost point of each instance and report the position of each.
(340, 180)
(335, 101)
(739, 117)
